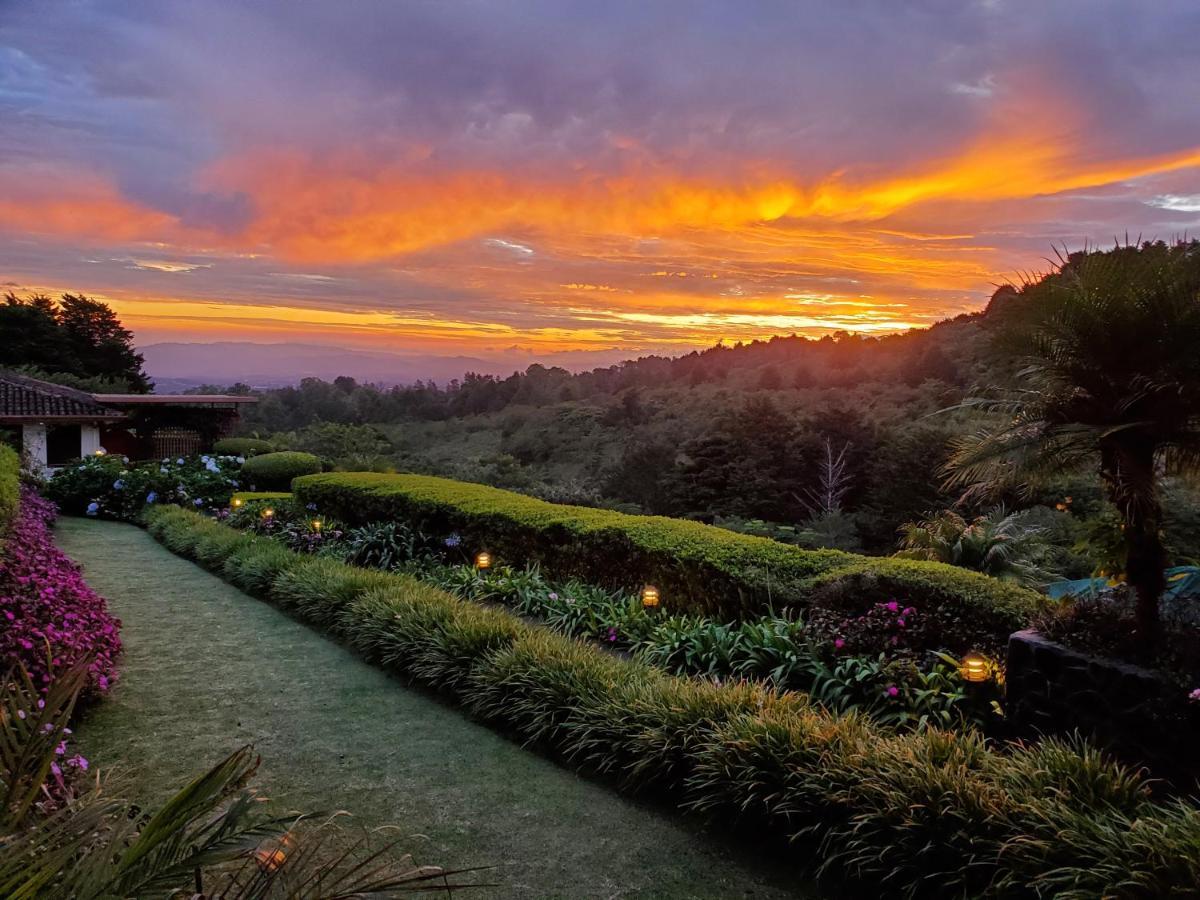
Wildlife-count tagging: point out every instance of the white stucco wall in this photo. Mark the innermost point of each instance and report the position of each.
(33, 439)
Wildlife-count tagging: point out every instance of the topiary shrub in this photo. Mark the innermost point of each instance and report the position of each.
(246, 447)
(275, 471)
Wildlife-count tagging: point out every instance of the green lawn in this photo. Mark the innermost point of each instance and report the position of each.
(207, 668)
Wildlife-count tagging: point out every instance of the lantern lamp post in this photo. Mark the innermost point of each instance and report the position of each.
(483, 561)
(650, 597)
(975, 669)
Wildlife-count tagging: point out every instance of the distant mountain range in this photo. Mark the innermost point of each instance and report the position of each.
(178, 366)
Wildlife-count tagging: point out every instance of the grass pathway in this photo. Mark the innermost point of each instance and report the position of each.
(207, 668)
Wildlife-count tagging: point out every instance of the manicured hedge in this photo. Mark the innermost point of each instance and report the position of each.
(925, 814)
(10, 485)
(242, 447)
(699, 568)
(256, 496)
(275, 471)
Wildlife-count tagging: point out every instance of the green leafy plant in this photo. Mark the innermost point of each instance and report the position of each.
(998, 543)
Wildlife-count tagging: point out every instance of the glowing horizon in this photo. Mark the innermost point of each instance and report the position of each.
(539, 182)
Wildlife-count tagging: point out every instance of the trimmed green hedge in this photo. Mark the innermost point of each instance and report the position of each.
(10, 485)
(699, 568)
(929, 813)
(256, 496)
(275, 471)
(242, 447)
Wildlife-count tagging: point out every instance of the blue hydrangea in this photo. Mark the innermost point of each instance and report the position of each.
(453, 541)
(179, 462)
(93, 508)
(151, 497)
(118, 485)
(197, 502)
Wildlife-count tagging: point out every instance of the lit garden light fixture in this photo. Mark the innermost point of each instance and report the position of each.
(268, 512)
(316, 524)
(483, 561)
(975, 669)
(100, 451)
(236, 502)
(650, 598)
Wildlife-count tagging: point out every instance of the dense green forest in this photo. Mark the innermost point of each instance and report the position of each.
(837, 442)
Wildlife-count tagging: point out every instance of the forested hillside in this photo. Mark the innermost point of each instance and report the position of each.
(834, 442)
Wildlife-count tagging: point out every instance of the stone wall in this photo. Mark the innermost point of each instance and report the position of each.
(1052, 689)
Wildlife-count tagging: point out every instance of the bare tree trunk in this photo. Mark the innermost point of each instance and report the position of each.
(1129, 475)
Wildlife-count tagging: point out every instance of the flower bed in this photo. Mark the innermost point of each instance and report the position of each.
(932, 813)
(51, 618)
(699, 568)
(110, 486)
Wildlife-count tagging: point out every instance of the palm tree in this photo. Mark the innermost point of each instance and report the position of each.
(1111, 379)
(999, 543)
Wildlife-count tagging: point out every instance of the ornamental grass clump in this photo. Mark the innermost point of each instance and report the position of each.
(919, 813)
(50, 617)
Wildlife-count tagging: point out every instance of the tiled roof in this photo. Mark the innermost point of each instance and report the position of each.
(27, 398)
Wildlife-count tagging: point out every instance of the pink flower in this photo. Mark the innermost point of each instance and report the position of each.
(1194, 696)
(839, 644)
(893, 606)
(892, 691)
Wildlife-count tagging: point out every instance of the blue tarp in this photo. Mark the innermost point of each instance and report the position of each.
(1182, 594)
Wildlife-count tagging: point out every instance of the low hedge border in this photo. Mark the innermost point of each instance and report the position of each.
(929, 813)
(700, 568)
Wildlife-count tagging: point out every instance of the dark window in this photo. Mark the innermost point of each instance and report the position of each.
(62, 444)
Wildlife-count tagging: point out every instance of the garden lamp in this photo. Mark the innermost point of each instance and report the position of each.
(650, 596)
(483, 561)
(974, 668)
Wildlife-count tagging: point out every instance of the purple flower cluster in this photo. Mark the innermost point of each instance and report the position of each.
(50, 616)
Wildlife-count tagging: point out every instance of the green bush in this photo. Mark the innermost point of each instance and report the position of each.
(699, 568)
(245, 447)
(275, 471)
(10, 485)
(930, 813)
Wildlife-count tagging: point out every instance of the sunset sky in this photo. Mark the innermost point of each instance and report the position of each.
(516, 180)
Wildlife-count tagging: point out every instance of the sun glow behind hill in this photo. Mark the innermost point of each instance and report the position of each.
(658, 219)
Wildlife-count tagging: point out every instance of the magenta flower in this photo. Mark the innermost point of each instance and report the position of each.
(892, 691)
(1194, 696)
(839, 644)
(893, 606)
(52, 618)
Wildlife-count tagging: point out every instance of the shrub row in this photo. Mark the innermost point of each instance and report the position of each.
(275, 471)
(929, 813)
(699, 568)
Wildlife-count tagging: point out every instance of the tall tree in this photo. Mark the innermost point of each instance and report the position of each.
(77, 337)
(1110, 379)
(100, 342)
